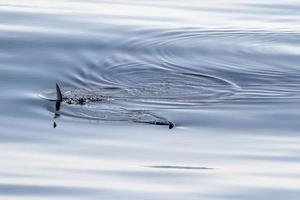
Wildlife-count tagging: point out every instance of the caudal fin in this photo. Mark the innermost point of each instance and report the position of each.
(58, 93)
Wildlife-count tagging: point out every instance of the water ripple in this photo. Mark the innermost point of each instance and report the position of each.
(181, 68)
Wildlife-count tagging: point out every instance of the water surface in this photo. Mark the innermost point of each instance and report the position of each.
(226, 73)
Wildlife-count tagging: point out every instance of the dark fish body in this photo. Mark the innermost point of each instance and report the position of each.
(113, 114)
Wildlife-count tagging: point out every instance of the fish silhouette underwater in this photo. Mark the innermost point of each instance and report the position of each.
(78, 99)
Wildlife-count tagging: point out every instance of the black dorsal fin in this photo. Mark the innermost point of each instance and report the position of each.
(58, 93)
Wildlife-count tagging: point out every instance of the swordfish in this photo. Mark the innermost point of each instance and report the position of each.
(120, 114)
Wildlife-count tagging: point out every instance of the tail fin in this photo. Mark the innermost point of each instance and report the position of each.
(58, 93)
(171, 125)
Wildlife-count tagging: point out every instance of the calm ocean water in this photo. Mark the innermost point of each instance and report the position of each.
(225, 72)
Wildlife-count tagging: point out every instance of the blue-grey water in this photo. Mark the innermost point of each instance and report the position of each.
(225, 72)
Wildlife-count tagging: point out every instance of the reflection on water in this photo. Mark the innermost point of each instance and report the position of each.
(177, 167)
(226, 73)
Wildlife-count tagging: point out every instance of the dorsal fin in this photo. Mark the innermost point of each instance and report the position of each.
(58, 93)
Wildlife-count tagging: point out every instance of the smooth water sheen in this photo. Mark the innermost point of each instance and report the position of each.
(225, 72)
